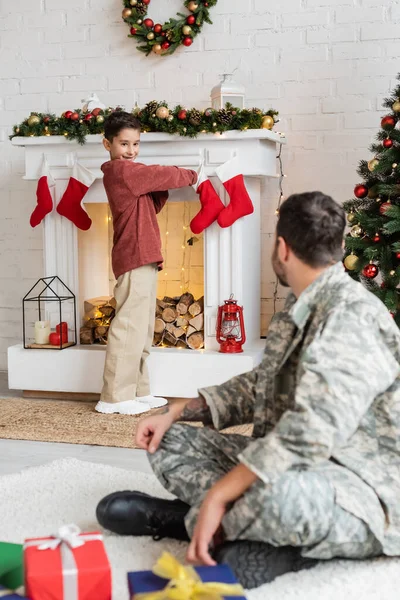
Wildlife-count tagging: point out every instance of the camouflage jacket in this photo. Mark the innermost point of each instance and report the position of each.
(328, 388)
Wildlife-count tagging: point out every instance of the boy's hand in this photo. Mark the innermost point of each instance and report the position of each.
(151, 431)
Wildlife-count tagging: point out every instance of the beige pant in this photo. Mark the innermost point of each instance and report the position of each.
(131, 335)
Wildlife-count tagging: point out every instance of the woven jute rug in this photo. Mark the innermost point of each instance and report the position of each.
(72, 423)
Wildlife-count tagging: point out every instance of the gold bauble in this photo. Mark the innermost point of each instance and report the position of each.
(126, 13)
(372, 164)
(396, 106)
(150, 36)
(267, 122)
(17, 130)
(162, 112)
(351, 262)
(394, 166)
(133, 2)
(392, 273)
(100, 119)
(356, 231)
(372, 193)
(170, 118)
(139, 21)
(192, 6)
(157, 49)
(33, 120)
(351, 217)
(186, 30)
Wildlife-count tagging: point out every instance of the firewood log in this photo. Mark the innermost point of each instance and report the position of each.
(181, 344)
(196, 340)
(159, 326)
(175, 331)
(169, 314)
(169, 339)
(86, 335)
(171, 301)
(157, 339)
(184, 302)
(113, 302)
(101, 331)
(107, 310)
(197, 322)
(189, 331)
(92, 323)
(197, 307)
(182, 321)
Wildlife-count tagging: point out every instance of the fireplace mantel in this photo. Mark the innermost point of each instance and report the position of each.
(232, 260)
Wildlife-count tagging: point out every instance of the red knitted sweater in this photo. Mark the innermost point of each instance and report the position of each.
(136, 193)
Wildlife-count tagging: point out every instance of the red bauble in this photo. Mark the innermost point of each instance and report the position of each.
(388, 143)
(398, 255)
(165, 45)
(383, 207)
(376, 238)
(370, 271)
(191, 20)
(89, 117)
(96, 112)
(182, 114)
(392, 314)
(148, 23)
(68, 114)
(46, 120)
(187, 41)
(133, 31)
(361, 191)
(157, 28)
(74, 116)
(388, 121)
(205, 3)
(146, 2)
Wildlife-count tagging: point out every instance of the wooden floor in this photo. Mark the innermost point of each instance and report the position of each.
(16, 455)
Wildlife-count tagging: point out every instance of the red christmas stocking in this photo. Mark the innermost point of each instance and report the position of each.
(240, 204)
(43, 194)
(70, 205)
(211, 204)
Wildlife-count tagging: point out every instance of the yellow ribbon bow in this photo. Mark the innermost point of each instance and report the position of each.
(185, 583)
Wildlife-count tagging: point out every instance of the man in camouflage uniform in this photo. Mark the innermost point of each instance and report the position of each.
(321, 472)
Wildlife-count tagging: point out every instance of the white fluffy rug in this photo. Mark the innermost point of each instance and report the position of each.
(38, 500)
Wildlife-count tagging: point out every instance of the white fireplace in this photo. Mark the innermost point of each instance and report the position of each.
(232, 262)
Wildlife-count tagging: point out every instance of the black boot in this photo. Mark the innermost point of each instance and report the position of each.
(256, 563)
(136, 513)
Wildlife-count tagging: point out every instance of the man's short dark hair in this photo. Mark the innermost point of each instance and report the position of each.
(117, 121)
(312, 224)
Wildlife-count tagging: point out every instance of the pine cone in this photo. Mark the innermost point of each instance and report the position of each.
(151, 107)
(141, 9)
(224, 116)
(195, 117)
(170, 35)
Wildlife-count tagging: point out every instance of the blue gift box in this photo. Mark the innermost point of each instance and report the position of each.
(141, 582)
(10, 595)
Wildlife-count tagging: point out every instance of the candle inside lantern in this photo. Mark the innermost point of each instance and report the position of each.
(42, 332)
(55, 339)
(62, 329)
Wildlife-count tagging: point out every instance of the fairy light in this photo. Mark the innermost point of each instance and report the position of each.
(281, 198)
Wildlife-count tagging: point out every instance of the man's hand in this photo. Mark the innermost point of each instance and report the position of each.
(209, 520)
(212, 511)
(151, 431)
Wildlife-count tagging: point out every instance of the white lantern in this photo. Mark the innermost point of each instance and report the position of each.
(227, 91)
(92, 102)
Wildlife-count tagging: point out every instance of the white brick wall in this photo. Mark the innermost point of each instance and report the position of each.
(324, 64)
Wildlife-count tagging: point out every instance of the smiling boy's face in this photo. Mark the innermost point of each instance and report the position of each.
(125, 145)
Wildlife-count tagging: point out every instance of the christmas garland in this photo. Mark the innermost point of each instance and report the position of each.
(154, 117)
(165, 39)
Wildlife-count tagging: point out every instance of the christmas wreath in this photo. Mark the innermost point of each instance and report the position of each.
(154, 117)
(165, 39)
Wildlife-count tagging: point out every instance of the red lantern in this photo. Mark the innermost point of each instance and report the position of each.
(230, 327)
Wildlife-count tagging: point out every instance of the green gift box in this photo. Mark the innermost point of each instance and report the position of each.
(11, 565)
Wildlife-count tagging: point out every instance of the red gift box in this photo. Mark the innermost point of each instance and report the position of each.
(68, 566)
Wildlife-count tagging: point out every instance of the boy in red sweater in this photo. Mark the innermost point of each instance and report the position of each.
(136, 193)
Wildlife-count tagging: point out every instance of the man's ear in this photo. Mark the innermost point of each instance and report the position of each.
(283, 249)
(106, 144)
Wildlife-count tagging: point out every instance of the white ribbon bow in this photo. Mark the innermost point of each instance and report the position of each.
(67, 534)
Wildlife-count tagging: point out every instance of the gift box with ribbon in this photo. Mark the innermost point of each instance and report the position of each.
(6, 594)
(11, 565)
(170, 580)
(69, 565)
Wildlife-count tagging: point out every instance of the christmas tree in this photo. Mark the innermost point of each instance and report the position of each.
(373, 243)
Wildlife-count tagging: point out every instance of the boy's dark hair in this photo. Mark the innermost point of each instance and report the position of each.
(312, 224)
(117, 121)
